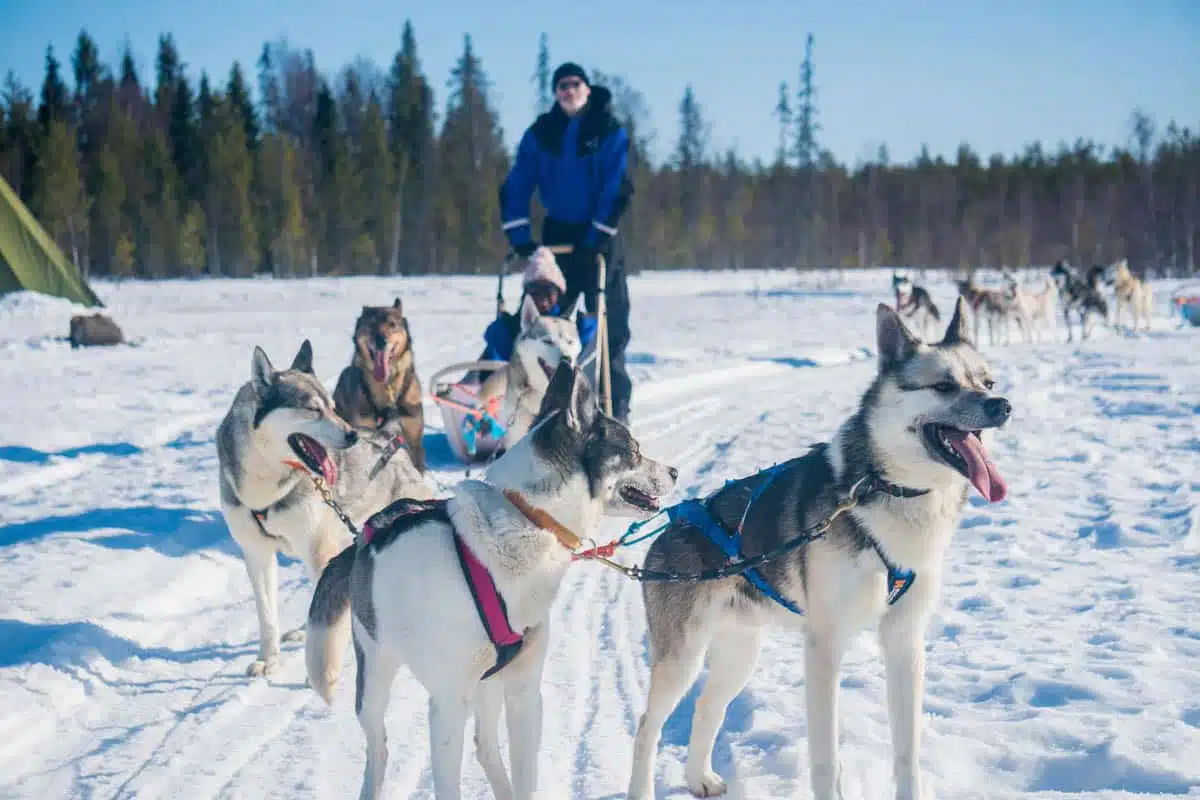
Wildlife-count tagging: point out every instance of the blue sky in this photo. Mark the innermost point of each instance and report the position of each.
(994, 74)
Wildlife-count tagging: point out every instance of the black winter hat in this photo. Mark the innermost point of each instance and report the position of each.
(567, 70)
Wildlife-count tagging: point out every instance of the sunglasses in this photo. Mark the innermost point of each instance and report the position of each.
(571, 84)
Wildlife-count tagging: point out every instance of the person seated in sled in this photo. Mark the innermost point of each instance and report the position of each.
(544, 284)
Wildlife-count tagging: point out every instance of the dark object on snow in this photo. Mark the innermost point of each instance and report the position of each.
(94, 330)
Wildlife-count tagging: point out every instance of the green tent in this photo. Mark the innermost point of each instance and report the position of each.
(29, 258)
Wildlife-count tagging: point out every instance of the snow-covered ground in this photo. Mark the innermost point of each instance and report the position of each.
(1064, 661)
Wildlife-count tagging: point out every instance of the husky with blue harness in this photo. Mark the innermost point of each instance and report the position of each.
(848, 536)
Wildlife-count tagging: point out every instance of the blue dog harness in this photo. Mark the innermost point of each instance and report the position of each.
(694, 512)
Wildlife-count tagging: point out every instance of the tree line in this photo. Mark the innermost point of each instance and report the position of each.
(355, 172)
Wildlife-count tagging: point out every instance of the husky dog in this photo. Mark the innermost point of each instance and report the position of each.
(1036, 309)
(909, 455)
(412, 603)
(280, 429)
(380, 389)
(1130, 291)
(542, 342)
(914, 304)
(1080, 294)
(997, 306)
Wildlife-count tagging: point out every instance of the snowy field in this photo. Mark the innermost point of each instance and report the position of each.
(1064, 660)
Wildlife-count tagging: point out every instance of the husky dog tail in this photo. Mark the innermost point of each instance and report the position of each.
(329, 624)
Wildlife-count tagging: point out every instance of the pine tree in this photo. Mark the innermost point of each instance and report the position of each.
(54, 102)
(806, 152)
(806, 149)
(690, 159)
(545, 92)
(338, 221)
(239, 98)
(232, 237)
(282, 215)
(411, 140)
(157, 240)
(473, 162)
(378, 181)
(129, 89)
(89, 75)
(21, 137)
(61, 202)
(783, 112)
(106, 187)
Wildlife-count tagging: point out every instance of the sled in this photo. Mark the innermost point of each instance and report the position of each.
(1187, 300)
(473, 426)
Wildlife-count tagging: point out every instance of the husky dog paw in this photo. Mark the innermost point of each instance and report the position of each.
(294, 636)
(708, 785)
(262, 667)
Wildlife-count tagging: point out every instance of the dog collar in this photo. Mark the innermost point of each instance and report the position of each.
(880, 484)
(566, 537)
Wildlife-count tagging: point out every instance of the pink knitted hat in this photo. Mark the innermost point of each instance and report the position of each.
(543, 268)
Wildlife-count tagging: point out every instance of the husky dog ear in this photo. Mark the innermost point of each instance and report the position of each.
(303, 359)
(895, 342)
(956, 331)
(261, 370)
(570, 395)
(396, 304)
(559, 391)
(529, 313)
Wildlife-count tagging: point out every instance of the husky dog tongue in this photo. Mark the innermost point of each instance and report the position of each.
(381, 365)
(315, 457)
(981, 471)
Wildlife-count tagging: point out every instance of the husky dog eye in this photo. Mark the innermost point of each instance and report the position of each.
(988, 384)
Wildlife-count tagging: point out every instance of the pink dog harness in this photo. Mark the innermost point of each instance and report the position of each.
(404, 515)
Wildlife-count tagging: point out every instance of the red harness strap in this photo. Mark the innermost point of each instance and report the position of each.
(405, 513)
(493, 613)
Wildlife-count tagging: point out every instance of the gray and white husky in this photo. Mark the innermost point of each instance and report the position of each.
(913, 448)
(404, 593)
(543, 341)
(280, 428)
(916, 305)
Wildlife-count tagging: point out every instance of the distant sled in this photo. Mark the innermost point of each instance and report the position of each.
(1187, 300)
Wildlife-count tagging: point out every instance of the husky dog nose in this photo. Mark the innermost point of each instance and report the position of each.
(998, 408)
(351, 438)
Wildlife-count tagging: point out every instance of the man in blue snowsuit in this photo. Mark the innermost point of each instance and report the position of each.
(576, 156)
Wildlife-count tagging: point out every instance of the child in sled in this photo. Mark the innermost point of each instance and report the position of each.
(543, 283)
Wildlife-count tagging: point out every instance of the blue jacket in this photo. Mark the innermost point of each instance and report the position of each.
(502, 334)
(579, 167)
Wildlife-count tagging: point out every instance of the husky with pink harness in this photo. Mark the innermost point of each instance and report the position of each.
(460, 590)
